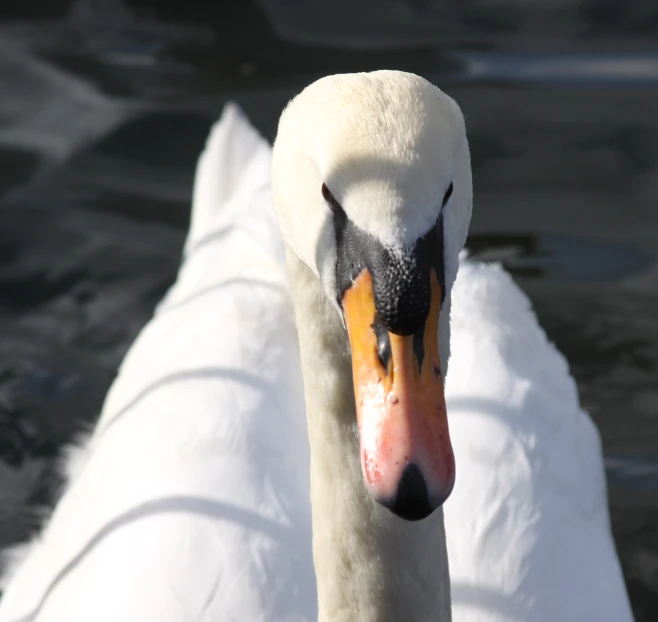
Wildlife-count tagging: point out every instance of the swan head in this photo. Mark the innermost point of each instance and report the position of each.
(372, 189)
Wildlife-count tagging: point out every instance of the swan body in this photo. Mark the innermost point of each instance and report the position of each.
(190, 499)
(527, 525)
(185, 503)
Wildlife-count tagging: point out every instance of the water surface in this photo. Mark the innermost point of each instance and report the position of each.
(101, 122)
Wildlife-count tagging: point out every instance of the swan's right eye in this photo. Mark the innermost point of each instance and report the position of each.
(333, 204)
(447, 195)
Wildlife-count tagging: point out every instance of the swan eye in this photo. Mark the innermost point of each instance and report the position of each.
(333, 204)
(447, 195)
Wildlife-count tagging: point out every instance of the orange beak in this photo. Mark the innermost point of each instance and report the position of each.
(406, 455)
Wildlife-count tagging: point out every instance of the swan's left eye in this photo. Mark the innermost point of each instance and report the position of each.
(331, 201)
(447, 195)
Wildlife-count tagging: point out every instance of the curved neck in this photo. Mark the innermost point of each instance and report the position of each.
(370, 565)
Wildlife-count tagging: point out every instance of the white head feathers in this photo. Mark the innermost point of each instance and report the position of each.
(388, 144)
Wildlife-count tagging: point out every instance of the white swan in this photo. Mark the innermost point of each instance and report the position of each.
(190, 499)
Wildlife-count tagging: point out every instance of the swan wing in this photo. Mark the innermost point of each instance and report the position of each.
(527, 524)
(190, 500)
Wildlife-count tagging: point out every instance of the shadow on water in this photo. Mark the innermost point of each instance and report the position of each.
(95, 185)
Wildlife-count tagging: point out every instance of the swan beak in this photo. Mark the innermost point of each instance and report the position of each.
(406, 455)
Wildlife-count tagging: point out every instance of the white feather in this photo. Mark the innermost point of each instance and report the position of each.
(191, 499)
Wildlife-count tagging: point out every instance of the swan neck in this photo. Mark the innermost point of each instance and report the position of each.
(370, 565)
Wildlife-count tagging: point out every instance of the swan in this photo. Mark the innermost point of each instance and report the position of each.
(301, 360)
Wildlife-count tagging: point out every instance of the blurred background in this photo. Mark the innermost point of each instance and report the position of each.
(105, 106)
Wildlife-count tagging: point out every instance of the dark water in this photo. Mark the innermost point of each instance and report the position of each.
(103, 114)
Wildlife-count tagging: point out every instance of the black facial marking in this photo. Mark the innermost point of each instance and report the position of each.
(419, 346)
(383, 343)
(401, 279)
(440, 271)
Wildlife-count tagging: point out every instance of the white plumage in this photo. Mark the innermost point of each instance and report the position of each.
(527, 524)
(190, 500)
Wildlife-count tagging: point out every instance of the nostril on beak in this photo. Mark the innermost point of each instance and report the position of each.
(412, 500)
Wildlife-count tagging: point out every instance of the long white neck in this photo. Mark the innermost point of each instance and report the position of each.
(370, 565)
